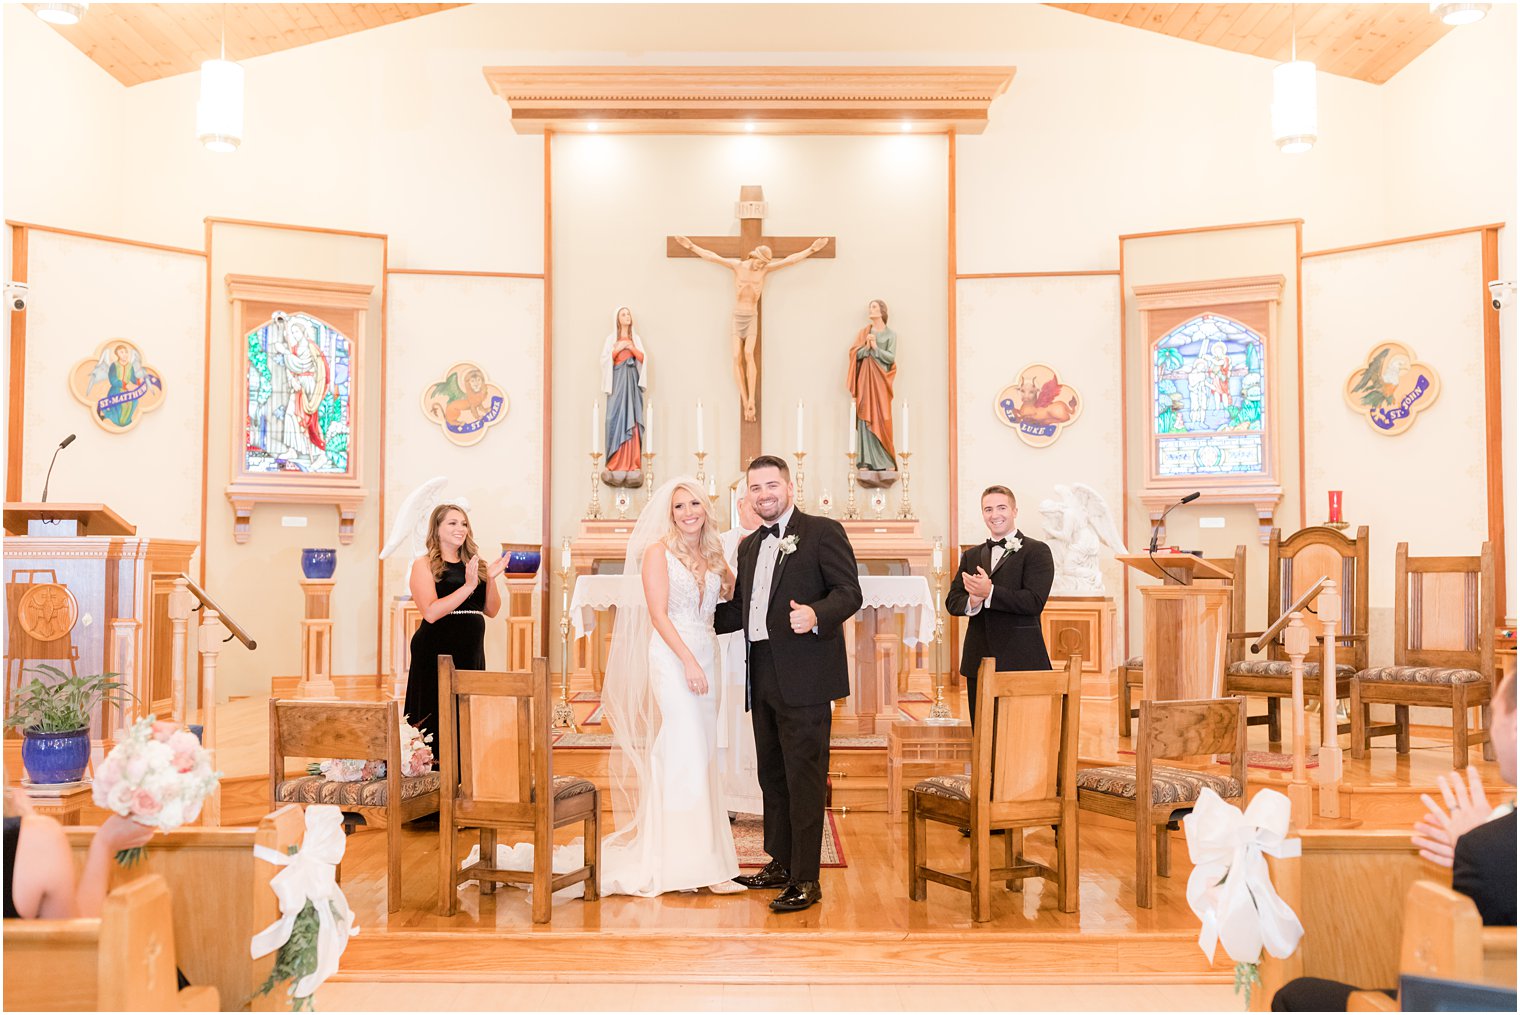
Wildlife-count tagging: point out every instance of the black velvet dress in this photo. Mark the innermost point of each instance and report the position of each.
(459, 634)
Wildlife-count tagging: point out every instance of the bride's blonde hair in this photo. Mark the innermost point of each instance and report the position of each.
(709, 551)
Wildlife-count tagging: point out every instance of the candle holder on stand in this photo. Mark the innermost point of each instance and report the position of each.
(594, 509)
(939, 712)
(851, 509)
(648, 476)
(564, 715)
(798, 495)
(702, 469)
(905, 510)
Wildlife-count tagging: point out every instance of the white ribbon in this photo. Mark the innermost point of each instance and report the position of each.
(310, 875)
(1230, 889)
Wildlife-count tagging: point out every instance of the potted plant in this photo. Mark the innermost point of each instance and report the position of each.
(54, 718)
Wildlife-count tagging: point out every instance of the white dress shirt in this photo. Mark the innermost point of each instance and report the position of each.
(998, 553)
(765, 568)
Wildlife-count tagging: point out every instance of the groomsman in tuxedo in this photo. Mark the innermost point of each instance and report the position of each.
(1002, 585)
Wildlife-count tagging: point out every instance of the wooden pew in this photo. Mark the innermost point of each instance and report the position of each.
(1444, 939)
(122, 960)
(1348, 890)
(221, 898)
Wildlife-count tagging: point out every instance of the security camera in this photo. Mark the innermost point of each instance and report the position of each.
(15, 295)
(1500, 293)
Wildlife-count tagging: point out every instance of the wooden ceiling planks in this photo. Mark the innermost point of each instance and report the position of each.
(138, 42)
(1369, 42)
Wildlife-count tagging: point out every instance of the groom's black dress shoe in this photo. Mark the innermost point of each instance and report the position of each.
(797, 896)
(772, 875)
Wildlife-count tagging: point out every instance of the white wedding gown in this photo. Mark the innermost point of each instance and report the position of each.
(683, 840)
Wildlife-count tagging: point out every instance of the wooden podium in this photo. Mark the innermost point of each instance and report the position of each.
(88, 595)
(1186, 625)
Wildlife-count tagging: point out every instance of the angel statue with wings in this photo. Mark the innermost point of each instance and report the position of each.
(1078, 525)
(410, 524)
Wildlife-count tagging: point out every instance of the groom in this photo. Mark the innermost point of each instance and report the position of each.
(796, 586)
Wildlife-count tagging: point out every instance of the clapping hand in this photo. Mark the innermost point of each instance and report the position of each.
(497, 566)
(1466, 808)
(803, 618)
(979, 585)
(472, 573)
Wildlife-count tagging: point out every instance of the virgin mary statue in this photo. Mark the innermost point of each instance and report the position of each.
(623, 382)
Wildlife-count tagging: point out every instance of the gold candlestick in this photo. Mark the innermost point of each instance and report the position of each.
(905, 510)
(594, 509)
(564, 715)
(702, 469)
(850, 508)
(798, 495)
(939, 711)
(648, 476)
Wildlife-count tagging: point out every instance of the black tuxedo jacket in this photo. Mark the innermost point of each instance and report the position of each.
(1007, 628)
(1483, 869)
(811, 669)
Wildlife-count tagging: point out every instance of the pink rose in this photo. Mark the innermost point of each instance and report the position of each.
(184, 762)
(145, 804)
(163, 729)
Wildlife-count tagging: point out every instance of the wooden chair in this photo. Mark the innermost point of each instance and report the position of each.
(212, 926)
(1156, 797)
(1023, 775)
(1348, 889)
(1443, 652)
(1294, 564)
(498, 777)
(1132, 670)
(122, 960)
(1444, 939)
(350, 729)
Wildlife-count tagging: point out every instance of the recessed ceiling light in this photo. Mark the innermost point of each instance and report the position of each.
(1452, 14)
(67, 14)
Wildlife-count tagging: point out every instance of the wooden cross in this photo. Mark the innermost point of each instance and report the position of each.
(751, 235)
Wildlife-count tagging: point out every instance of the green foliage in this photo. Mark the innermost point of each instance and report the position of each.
(65, 703)
(1168, 359)
(297, 957)
(258, 364)
(1247, 976)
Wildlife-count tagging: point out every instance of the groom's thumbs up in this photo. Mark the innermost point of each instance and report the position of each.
(803, 619)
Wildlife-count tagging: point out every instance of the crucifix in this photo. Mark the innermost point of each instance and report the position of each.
(751, 256)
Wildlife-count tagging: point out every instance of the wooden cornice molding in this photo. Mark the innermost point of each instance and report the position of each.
(760, 100)
(1170, 295)
(336, 295)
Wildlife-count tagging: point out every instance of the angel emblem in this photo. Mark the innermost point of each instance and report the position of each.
(1078, 526)
(116, 385)
(1379, 379)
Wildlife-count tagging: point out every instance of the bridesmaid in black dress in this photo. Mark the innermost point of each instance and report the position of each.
(455, 593)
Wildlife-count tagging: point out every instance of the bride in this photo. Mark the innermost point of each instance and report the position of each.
(661, 702)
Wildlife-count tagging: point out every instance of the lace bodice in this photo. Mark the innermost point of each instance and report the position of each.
(688, 604)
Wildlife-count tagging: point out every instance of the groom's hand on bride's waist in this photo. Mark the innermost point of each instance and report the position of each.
(803, 619)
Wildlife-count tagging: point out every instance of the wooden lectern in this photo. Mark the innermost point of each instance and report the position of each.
(1185, 625)
(86, 593)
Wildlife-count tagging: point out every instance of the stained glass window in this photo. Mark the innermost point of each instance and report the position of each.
(299, 414)
(1209, 397)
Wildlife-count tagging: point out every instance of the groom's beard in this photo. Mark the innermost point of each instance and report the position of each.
(782, 503)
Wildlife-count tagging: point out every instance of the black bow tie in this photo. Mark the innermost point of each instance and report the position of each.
(769, 530)
(997, 542)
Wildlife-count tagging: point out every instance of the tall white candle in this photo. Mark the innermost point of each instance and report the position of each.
(800, 448)
(648, 426)
(939, 556)
(596, 426)
(712, 487)
(701, 445)
(564, 554)
(906, 416)
(854, 415)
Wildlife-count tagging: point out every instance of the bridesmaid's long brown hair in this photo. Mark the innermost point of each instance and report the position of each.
(435, 551)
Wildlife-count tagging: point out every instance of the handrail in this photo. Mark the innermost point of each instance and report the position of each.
(233, 627)
(1287, 615)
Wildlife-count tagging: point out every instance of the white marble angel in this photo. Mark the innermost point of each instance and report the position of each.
(412, 518)
(1078, 525)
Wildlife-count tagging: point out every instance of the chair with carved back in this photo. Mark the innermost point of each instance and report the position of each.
(1443, 652)
(367, 730)
(1293, 565)
(1132, 671)
(1023, 775)
(122, 960)
(501, 779)
(1347, 889)
(1157, 797)
(212, 928)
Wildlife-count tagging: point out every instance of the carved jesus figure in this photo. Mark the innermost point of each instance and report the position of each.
(749, 280)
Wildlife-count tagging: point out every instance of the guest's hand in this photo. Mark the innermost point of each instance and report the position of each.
(696, 678)
(979, 585)
(1434, 843)
(684, 242)
(472, 573)
(119, 833)
(1466, 808)
(497, 566)
(803, 618)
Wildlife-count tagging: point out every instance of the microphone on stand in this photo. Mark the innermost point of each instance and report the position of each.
(61, 445)
(1156, 529)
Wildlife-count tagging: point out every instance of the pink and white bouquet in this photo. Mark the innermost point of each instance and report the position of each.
(159, 775)
(416, 759)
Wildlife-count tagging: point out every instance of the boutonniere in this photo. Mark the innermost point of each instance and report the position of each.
(1015, 544)
(788, 546)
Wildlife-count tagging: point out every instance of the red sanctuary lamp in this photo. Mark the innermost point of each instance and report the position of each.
(1336, 519)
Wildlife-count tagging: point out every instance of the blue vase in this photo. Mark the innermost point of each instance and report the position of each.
(55, 757)
(318, 563)
(524, 561)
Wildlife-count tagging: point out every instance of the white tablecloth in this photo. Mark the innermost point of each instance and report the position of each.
(906, 593)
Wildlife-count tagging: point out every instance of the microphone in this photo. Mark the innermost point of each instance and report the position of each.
(1156, 529)
(61, 445)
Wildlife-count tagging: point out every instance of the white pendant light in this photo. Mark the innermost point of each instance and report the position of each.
(219, 111)
(69, 14)
(1295, 106)
(1452, 14)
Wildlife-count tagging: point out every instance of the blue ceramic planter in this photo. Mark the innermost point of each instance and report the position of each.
(56, 757)
(523, 561)
(318, 563)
